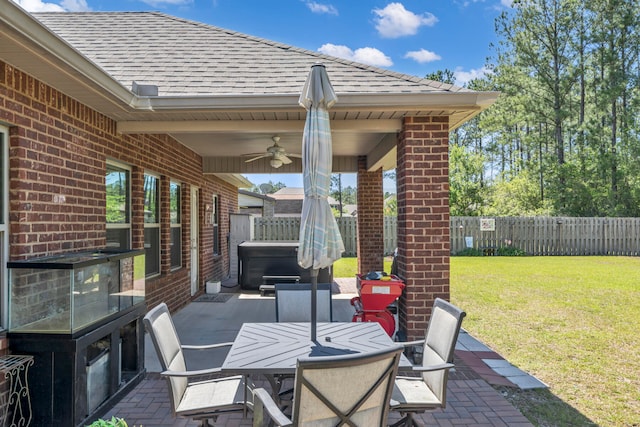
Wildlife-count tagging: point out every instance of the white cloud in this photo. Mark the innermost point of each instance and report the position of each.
(365, 55)
(39, 6)
(76, 5)
(63, 6)
(506, 3)
(395, 21)
(423, 56)
(321, 8)
(463, 77)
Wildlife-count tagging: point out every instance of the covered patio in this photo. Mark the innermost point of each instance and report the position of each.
(223, 96)
(472, 399)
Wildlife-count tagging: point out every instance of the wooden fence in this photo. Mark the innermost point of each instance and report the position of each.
(534, 235)
(548, 235)
(288, 228)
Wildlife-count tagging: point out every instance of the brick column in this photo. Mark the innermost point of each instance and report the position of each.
(423, 219)
(370, 219)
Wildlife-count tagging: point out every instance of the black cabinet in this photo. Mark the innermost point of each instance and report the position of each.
(257, 259)
(77, 377)
(80, 316)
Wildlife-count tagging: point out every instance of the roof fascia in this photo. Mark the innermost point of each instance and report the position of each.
(235, 179)
(470, 100)
(33, 35)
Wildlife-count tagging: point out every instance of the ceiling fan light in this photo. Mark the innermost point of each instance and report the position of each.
(275, 163)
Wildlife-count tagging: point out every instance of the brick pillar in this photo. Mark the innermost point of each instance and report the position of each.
(370, 219)
(423, 219)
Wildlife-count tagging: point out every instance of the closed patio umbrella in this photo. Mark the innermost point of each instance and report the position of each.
(320, 240)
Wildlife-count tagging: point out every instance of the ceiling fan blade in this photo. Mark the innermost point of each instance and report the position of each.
(284, 159)
(297, 156)
(256, 158)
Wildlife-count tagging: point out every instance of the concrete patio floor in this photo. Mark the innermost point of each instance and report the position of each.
(471, 399)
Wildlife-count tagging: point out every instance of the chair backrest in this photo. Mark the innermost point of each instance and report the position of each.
(159, 325)
(293, 302)
(354, 389)
(440, 343)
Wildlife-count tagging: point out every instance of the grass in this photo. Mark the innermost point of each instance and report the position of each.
(348, 267)
(570, 321)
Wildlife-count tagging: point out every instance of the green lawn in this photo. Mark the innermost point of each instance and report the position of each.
(348, 267)
(570, 321)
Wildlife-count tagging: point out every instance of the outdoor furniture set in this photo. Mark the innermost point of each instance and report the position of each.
(347, 376)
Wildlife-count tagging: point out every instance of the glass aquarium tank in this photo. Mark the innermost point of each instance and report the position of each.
(69, 292)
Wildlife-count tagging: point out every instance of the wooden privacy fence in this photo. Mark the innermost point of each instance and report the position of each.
(534, 235)
(548, 235)
(288, 228)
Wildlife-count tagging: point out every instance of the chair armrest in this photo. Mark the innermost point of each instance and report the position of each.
(431, 368)
(263, 403)
(191, 373)
(411, 343)
(206, 346)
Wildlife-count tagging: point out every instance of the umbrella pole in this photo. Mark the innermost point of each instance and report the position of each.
(314, 305)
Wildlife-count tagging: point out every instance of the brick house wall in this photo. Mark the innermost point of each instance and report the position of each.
(370, 218)
(58, 151)
(423, 219)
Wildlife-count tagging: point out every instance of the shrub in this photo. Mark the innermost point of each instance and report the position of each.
(510, 251)
(113, 422)
(470, 252)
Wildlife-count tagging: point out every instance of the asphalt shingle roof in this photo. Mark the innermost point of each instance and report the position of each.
(187, 58)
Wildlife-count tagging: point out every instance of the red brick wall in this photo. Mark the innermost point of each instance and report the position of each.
(370, 244)
(58, 154)
(423, 219)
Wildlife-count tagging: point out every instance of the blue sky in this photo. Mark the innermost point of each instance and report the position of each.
(415, 37)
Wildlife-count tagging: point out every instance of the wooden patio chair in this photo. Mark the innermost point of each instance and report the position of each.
(199, 400)
(349, 390)
(428, 391)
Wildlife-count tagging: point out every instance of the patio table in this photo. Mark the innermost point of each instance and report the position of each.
(272, 349)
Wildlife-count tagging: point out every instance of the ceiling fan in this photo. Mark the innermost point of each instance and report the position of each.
(278, 155)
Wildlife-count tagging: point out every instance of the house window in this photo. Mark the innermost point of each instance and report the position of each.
(118, 188)
(175, 214)
(152, 224)
(215, 219)
(4, 230)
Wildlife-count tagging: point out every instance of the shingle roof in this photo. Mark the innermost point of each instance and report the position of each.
(187, 58)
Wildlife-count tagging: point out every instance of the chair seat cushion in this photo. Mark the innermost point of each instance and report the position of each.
(213, 395)
(412, 392)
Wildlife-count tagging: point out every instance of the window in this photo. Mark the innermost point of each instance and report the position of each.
(117, 182)
(4, 230)
(151, 224)
(215, 219)
(175, 203)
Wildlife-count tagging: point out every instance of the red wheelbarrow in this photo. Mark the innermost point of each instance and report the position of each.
(375, 296)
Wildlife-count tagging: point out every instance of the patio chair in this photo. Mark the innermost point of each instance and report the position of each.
(199, 400)
(349, 389)
(428, 391)
(293, 302)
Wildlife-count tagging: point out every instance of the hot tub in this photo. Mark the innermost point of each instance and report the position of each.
(276, 258)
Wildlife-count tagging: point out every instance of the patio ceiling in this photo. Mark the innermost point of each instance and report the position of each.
(222, 120)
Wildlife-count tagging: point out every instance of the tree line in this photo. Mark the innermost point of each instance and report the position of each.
(563, 138)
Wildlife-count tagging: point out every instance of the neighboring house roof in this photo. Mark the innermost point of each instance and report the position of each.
(295, 193)
(350, 209)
